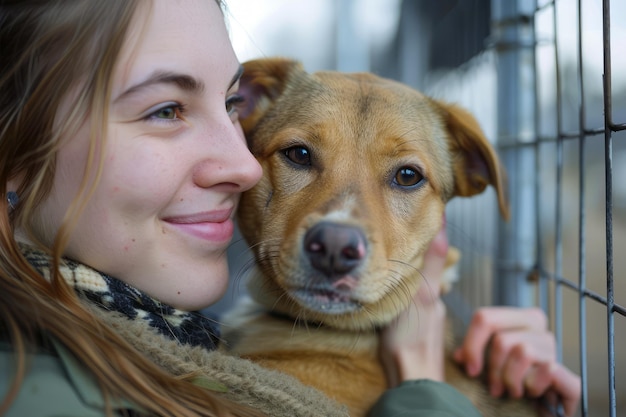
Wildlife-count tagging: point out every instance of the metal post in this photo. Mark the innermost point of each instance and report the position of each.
(514, 41)
(352, 51)
(608, 161)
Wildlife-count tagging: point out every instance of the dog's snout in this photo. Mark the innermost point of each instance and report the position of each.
(334, 249)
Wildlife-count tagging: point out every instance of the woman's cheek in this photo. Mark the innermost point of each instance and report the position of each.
(144, 181)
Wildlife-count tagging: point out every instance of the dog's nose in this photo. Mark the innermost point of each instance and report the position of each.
(334, 249)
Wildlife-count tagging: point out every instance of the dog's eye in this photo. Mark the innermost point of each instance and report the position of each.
(298, 155)
(408, 177)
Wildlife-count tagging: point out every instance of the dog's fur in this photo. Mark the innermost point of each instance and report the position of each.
(357, 172)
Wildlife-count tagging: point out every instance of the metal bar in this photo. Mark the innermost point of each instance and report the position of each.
(582, 266)
(608, 102)
(608, 169)
(514, 43)
(558, 235)
(561, 136)
(544, 285)
(585, 291)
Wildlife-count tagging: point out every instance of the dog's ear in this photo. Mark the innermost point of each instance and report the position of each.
(263, 80)
(475, 162)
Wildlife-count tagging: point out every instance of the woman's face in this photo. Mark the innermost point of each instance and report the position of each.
(175, 161)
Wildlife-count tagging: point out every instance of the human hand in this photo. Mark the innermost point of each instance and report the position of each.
(522, 356)
(412, 346)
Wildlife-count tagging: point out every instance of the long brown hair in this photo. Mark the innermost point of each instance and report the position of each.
(50, 48)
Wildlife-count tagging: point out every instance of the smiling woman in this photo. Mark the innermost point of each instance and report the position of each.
(169, 182)
(122, 164)
(120, 136)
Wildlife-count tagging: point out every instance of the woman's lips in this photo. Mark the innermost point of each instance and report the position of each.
(214, 226)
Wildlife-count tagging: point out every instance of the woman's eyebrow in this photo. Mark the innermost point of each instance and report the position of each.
(183, 81)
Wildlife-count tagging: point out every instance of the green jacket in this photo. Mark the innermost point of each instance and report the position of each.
(423, 398)
(56, 385)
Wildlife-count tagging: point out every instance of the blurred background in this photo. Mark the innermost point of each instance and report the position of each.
(535, 74)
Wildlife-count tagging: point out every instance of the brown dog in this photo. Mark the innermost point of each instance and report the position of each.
(357, 172)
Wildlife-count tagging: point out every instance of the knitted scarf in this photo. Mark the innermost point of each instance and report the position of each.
(183, 343)
(112, 294)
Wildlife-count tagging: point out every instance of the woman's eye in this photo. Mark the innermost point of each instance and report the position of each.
(232, 104)
(168, 113)
(298, 155)
(408, 177)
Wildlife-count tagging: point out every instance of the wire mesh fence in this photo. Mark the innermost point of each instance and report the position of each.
(550, 92)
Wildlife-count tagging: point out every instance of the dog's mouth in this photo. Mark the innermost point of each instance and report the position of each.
(325, 300)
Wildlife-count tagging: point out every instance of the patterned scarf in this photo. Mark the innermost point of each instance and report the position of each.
(111, 294)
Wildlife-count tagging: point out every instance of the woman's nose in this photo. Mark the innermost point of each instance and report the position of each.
(228, 162)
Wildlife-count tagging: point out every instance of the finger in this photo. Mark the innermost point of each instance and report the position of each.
(510, 318)
(559, 379)
(515, 369)
(539, 379)
(568, 385)
(537, 346)
(489, 320)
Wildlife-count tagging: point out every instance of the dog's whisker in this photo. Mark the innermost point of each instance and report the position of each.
(295, 325)
(280, 295)
(246, 267)
(403, 263)
(404, 297)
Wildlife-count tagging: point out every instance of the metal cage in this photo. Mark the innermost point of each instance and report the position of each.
(557, 119)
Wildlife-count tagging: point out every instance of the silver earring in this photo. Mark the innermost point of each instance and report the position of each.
(12, 199)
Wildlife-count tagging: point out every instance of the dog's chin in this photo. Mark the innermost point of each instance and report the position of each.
(325, 301)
